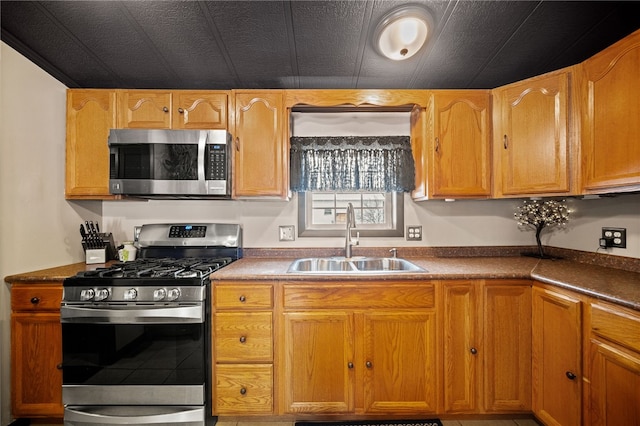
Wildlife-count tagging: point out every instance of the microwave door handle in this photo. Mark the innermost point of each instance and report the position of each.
(202, 140)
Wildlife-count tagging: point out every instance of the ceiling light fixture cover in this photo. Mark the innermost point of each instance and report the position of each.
(402, 32)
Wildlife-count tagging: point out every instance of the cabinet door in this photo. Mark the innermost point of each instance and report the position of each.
(460, 144)
(610, 125)
(261, 149)
(531, 142)
(400, 355)
(556, 358)
(615, 386)
(36, 353)
(319, 362)
(461, 343)
(90, 115)
(507, 346)
(144, 109)
(199, 110)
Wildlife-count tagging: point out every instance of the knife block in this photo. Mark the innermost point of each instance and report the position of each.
(108, 246)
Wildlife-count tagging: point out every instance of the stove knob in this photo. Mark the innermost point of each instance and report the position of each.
(159, 294)
(86, 294)
(101, 294)
(173, 294)
(130, 294)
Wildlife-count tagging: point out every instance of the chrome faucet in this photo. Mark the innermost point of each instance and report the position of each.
(351, 223)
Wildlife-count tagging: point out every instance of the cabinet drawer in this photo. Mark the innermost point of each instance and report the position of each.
(243, 389)
(243, 337)
(243, 296)
(616, 324)
(392, 295)
(36, 298)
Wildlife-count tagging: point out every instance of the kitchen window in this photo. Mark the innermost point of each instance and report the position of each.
(378, 214)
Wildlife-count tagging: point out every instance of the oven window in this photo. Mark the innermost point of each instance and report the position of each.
(133, 354)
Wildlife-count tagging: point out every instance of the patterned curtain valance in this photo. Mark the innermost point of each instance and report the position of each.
(352, 163)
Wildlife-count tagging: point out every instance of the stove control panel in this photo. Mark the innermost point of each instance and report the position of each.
(141, 294)
(187, 231)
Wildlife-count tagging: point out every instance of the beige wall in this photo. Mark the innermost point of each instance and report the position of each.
(39, 229)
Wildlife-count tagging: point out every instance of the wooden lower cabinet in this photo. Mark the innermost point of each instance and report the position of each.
(364, 349)
(557, 357)
(242, 348)
(36, 351)
(614, 366)
(487, 346)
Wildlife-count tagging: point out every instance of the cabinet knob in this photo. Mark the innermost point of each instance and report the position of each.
(505, 142)
(243, 339)
(369, 364)
(59, 366)
(570, 375)
(437, 144)
(180, 110)
(350, 365)
(243, 391)
(35, 300)
(473, 351)
(242, 298)
(165, 109)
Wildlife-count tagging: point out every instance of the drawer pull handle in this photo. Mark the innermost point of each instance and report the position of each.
(35, 300)
(243, 339)
(180, 110)
(242, 299)
(350, 365)
(570, 375)
(505, 142)
(473, 351)
(368, 364)
(243, 391)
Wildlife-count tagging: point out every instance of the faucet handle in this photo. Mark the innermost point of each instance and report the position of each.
(394, 252)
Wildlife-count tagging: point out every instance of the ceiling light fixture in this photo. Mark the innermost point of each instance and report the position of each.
(402, 32)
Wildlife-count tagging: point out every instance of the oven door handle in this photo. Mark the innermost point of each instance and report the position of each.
(144, 416)
(137, 315)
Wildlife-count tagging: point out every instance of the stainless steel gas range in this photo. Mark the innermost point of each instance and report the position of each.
(136, 335)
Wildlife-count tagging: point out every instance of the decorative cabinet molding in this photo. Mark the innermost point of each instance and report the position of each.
(610, 87)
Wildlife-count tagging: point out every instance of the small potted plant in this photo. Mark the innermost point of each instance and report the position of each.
(540, 215)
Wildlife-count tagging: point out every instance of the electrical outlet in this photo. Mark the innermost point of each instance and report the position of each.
(287, 233)
(414, 233)
(614, 237)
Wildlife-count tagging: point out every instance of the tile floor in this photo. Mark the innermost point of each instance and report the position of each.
(502, 422)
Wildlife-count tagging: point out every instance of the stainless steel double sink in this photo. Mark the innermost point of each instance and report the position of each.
(353, 265)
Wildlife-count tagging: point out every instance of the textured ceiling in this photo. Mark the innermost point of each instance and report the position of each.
(304, 44)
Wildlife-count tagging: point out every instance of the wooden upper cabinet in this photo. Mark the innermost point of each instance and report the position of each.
(199, 110)
(180, 109)
(260, 145)
(144, 109)
(532, 137)
(610, 87)
(459, 144)
(90, 115)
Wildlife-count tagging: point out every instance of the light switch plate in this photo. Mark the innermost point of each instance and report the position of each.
(287, 233)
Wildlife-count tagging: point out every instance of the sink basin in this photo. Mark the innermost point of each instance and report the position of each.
(355, 265)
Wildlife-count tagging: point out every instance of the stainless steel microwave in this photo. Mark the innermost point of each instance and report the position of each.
(170, 163)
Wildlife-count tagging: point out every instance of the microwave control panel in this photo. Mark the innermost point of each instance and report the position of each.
(216, 166)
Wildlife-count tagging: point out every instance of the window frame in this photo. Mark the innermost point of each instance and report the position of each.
(395, 227)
